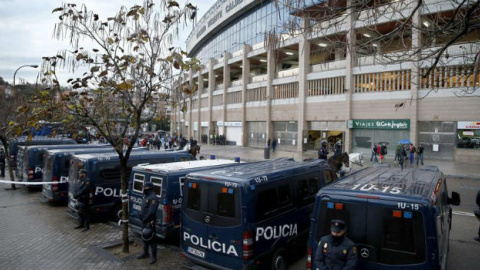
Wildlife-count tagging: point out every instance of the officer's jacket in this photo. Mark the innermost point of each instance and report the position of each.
(322, 153)
(85, 188)
(149, 207)
(342, 256)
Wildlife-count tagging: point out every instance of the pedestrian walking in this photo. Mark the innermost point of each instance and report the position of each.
(83, 200)
(477, 214)
(383, 152)
(2, 163)
(323, 152)
(374, 153)
(269, 142)
(336, 250)
(420, 154)
(274, 145)
(398, 152)
(148, 214)
(412, 151)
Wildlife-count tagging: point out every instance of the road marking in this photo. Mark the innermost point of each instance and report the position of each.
(463, 213)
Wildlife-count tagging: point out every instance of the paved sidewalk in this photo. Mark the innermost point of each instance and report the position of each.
(449, 168)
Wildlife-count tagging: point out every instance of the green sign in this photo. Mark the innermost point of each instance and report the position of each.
(403, 124)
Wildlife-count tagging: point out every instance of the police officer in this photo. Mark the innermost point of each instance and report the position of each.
(83, 200)
(2, 163)
(477, 214)
(323, 152)
(336, 251)
(148, 215)
(338, 148)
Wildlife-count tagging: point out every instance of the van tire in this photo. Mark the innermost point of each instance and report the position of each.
(279, 261)
(117, 213)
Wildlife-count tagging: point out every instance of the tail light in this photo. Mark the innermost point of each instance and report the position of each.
(30, 173)
(90, 198)
(54, 186)
(167, 214)
(248, 245)
(309, 257)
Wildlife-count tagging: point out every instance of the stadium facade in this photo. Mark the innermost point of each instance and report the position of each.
(302, 84)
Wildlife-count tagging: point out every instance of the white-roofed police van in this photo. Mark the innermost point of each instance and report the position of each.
(399, 219)
(168, 181)
(251, 216)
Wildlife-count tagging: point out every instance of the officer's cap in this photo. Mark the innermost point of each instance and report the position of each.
(338, 225)
(148, 186)
(82, 171)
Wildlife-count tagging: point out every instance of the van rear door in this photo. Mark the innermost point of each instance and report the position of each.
(389, 233)
(212, 228)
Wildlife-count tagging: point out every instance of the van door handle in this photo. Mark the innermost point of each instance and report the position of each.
(213, 237)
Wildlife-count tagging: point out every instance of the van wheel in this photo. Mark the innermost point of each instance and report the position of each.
(278, 261)
(117, 213)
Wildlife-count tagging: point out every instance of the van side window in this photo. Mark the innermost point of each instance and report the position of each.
(157, 185)
(138, 180)
(109, 172)
(307, 188)
(284, 195)
(267, 202)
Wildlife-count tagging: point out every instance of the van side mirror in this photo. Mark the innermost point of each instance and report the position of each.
(455, 199)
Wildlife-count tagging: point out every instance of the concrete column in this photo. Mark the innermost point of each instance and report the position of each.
(190, 113)
(211, 88)
(304, 69)
(415, 72)
(199, 117)
(271, 70)
(246, 81)
(349, 82)
(226, 85)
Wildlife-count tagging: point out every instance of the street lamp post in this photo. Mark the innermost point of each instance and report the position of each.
(13, 91)
(14, 74)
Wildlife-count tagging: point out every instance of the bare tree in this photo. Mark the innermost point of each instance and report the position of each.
(131, 65)
(17, 116)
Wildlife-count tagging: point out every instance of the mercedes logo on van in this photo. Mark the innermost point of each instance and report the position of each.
(207, 219)
(365, 253)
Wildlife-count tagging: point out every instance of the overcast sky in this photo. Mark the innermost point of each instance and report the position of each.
(26, 28)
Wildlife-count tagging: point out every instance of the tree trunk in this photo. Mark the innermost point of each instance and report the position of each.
(8, 161)
(124, 182)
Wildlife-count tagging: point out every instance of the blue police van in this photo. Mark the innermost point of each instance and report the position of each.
(104, 171)
(168, 180)
(398, 219)
(55, 169)
(31, 159)
(250, 216)
(39, 140)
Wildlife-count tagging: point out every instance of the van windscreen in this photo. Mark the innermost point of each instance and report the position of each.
(218, 200)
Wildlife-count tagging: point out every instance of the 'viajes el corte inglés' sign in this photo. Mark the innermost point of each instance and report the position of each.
(382, 124)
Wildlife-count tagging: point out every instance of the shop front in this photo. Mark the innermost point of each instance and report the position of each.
(331, 132)
(468, 134)
(366, 133)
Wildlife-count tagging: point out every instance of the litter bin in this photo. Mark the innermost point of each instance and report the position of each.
(266, 153)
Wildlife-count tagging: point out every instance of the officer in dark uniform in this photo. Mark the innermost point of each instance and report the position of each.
(2, 162)
(323, 152)
(148, 215)
(335, 251)
(83, 200)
